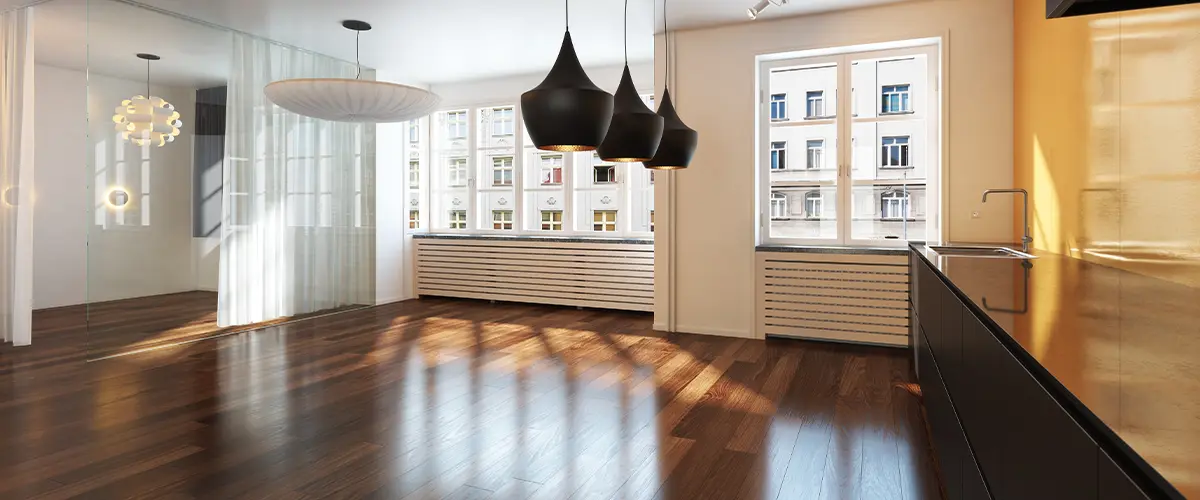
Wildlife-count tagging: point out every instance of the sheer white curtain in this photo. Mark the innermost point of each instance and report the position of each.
(16, 177)
(297, 232)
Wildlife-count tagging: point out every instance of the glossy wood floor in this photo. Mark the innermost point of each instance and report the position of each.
(443, 398)
(130, 325)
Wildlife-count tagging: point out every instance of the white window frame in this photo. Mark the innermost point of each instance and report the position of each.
(779, 206)
(414, 172)
(814, 104)
(895, 205)
(815, 159)
(505, 169)
(605, 222)
(457, 171)
(814, 199)
(503, 127)
(612, 173)
(902, 151)
(550, 224)
(778, 156)
(503, 218)
(779, 107)
(414, 218)
(544, 169)
(903, 98)
(933, 140)
(457, 124)
(458, 223)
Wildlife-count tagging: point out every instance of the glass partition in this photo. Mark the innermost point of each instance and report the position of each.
(176, 202)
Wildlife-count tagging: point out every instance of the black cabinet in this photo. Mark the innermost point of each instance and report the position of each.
(948, 443)
(1114, 484)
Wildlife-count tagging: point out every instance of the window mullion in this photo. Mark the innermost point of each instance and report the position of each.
(845, 188)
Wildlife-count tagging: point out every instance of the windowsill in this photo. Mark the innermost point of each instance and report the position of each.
(835, 249)
(537, 238)
(823, 117)
(889, 167)
(897, 113)
(804, 170)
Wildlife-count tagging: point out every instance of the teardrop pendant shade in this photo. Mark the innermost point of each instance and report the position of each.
(678, 141)
(635, 130)
(567, 112)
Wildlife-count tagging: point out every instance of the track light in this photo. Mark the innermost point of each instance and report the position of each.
(762, 5)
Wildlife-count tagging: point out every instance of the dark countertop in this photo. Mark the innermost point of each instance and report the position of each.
(553, 239)
(1121, 348)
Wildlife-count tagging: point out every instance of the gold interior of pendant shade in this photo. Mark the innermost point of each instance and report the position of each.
(568, 149)
(625, 160)
(666, 167)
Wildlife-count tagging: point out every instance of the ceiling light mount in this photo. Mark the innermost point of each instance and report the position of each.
(148, 57)
(356, 25)
(762, 5)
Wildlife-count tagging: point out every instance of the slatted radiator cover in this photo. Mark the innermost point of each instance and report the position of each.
(608, 275)
(861, 298)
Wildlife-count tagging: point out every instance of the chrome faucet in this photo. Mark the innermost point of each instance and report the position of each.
(1027, 239)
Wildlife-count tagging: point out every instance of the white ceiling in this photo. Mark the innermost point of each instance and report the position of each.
(415, 41)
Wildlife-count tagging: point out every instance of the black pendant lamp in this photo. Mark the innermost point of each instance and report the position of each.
(678, 141)
(567, 112)
(635, 130)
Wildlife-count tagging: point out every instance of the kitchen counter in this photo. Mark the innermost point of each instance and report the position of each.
(1122, 349)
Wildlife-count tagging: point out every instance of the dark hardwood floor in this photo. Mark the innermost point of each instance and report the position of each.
(130, 325)
(443, 398)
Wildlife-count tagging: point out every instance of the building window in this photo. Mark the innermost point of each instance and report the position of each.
(604, 174)
(414, 131)
(895, 152)
(414, 174)
(778, 106)
(502, 171)
(552, 220)
(813, 202)
(652, 221)
(896, 99)
(502, 219)
(779, 155)
(457, 171)
(414, 219)
(604, 220)
(816, 153)
(894, 205)
(815, 104)
(651, 178)
(552, 169)
(502, 121)
(779, 206)
(458, 219)
(456, 124)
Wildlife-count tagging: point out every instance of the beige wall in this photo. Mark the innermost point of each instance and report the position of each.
(1107, 136)
(706, 261)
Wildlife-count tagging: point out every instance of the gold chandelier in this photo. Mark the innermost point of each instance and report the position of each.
(147, 119)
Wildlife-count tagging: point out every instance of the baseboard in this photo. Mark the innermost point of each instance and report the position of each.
(717, 332)
(661, 327)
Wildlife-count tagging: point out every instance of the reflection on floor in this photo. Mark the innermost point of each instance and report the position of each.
(128, 325)
(443, 398)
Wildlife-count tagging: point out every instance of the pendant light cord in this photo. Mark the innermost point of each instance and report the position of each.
(667, 48)
(567, 3)
(357, 57)
(626, 34)
(147, 79)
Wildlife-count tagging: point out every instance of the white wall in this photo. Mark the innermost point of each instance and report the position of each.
(78, 256)
(705, 267)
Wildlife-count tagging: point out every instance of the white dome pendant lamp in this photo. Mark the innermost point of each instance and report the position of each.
(147, 119)
(352, 100)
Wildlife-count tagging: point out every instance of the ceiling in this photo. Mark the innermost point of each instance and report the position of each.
(415, 41)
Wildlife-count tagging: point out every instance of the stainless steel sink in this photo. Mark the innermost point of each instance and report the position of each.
(981, 251)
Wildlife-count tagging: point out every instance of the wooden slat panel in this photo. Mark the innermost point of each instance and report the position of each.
(605, 275)
(781, 309)
(837, 325)
(893, 320)
(898, 260)
(837, 276)
(823, 300)
(845, 285)
(839, 336)
(824, 266)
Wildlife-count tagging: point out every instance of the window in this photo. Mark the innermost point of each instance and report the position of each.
(812, 204)
(779, 155)
(502, 219)
(552, 220)
(816, 154)
(414, 131)
(604, 174)
(604, 220)
(896, 99)
(414, 219)
(414, 173)
(816, 104)
(652, 221)
(895, 152)
(457, 171)
(458, 219)
(552, 169)
(502, 171)
(456, 124)
(894, 205)
(502, 121)
(778, 107)
(779, 206)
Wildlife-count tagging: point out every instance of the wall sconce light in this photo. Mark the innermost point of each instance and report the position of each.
(117, 198)
(762, 5)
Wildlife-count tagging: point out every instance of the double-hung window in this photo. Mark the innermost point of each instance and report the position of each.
(502, 171)
(458, 219)
(502, 121)
(815, 104)
(456, 172)
(414, 219)
(502, 219)
(778, 107)
(552, 169)
(456, 124)
(896, 99)
(604, 220)
(414, 173)
(552, 220)
(870, 170)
